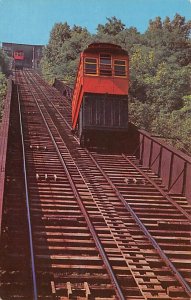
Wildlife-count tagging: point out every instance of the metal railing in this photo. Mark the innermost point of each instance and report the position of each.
(173, 166)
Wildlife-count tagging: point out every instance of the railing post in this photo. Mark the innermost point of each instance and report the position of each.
(160, 161)
(142, 149)
(150, 154)
(184, 179)
(171, 169)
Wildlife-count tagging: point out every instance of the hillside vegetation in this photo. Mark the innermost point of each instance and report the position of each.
(160, 68)
(3, 81)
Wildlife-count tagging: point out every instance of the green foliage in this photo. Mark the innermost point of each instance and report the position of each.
(175, 128)
(112, 27)
(142, 114)
(160, 69)
(61, 56)
(170, 39)
(4, 65)
(4, 62)
(3, 89)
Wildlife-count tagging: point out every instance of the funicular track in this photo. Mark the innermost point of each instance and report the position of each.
(15, 273)
(101, 227)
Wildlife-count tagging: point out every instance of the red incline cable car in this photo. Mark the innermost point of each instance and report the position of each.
(100, 99)
(18, 56)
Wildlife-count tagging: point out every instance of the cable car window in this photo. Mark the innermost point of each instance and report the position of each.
(90, 66)
(120, 68)
(105, 59)
(119, 62)
(105, 65)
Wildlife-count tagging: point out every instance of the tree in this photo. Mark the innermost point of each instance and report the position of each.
(4, 62)
(71, 50)
(4, 68)
(170, 37)
(155, 25)
(179, 25)
(58, 35)
(167, 24)
(112, 27)
(61, 55)
(129, 39)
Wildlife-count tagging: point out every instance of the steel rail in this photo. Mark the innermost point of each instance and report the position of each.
(137, 168)
(179, 277)
(158, 188)
(57, 110)
(84, 212)
(35, 292)
(49, 101)
(164, 257)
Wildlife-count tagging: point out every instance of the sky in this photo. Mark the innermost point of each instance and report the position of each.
(30, 21)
